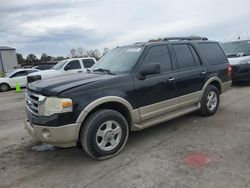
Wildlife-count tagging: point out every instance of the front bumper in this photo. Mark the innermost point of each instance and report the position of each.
(63, 136)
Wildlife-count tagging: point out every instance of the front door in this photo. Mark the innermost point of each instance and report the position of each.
(73, 66)
(156, 94)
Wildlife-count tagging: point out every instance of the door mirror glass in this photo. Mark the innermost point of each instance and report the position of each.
(149, 69)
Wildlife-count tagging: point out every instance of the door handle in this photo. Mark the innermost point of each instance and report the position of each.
(171, 80)
(203, 72)
(79, 71)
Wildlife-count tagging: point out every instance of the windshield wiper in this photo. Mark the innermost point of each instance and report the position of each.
(235, 55)
(103, 70)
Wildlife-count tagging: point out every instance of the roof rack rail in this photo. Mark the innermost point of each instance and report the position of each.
(185, 38)
(139, 43)
(155, 40)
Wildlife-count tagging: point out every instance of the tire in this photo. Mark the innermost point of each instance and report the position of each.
(4, 87)
(104, 134)
(210, 101)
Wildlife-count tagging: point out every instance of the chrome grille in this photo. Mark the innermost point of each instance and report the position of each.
(32, 102)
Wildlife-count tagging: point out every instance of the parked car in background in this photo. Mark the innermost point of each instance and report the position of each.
(238, 53)
(131, 88)
(45, 66)
(68, 66)
(11, 78)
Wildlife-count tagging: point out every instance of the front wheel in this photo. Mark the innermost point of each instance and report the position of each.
(210, 101)
(4, 87)
(104, 134)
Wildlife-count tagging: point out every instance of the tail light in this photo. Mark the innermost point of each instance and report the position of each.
(229, 70)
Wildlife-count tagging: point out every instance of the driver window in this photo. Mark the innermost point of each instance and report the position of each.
(75, 64)
(160, 55)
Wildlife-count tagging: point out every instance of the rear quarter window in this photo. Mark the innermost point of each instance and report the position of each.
(212, 53)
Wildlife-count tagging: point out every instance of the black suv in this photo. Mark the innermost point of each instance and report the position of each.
(131, 88)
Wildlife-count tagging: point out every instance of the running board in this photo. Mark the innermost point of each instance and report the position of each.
(165, 117)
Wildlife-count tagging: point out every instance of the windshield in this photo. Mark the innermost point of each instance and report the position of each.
(59, 65)
(239, 48)
(119, 60)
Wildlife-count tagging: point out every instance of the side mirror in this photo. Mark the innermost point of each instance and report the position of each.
(150, 69)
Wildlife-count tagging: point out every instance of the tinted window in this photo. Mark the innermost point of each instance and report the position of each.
(237, 47)
(73, 65)
(88, 63)
(18, 74)
(212, 53)
(159, 54)
(30, 71)
(184, 56)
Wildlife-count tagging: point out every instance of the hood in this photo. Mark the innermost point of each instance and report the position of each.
(3, 79)
(237, 60)
(56, 85)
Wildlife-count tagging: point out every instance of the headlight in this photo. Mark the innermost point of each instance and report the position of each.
(246, 61)
(53, 105)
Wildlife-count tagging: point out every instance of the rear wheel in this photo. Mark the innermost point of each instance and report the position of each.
(210, 101)
(4, 87)
(104, 134)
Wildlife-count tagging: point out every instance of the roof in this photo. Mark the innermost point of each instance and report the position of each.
(171, 40)
(6, 48)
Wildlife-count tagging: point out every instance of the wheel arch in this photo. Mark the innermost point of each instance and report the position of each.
(215, 81)
(111, 102)
(5, 84)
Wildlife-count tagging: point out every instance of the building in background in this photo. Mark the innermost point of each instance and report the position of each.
(8, 59)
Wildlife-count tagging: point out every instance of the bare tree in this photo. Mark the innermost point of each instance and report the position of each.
(73, 52)
(97, 54)
(105, 51)
(90, 53)
(79, 52)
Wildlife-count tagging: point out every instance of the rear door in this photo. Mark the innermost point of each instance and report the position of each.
(156, 94)
(191, 73)
(88, 63)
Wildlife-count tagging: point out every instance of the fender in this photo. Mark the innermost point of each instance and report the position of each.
(211, 80)
(100, 101)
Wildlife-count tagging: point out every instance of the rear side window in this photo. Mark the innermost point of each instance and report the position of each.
(184, 56)
(88, 63)
(159, 54)
(31, 71)
(212, 53)
(19, 74)
(75, 64)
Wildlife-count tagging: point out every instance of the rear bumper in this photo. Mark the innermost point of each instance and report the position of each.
(63, 136)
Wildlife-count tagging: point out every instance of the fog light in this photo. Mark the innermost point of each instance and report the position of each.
(46, 133)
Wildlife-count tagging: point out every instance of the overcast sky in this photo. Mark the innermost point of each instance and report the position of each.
(56, 26)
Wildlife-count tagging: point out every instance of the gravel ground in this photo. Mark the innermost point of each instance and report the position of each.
(188, 152)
